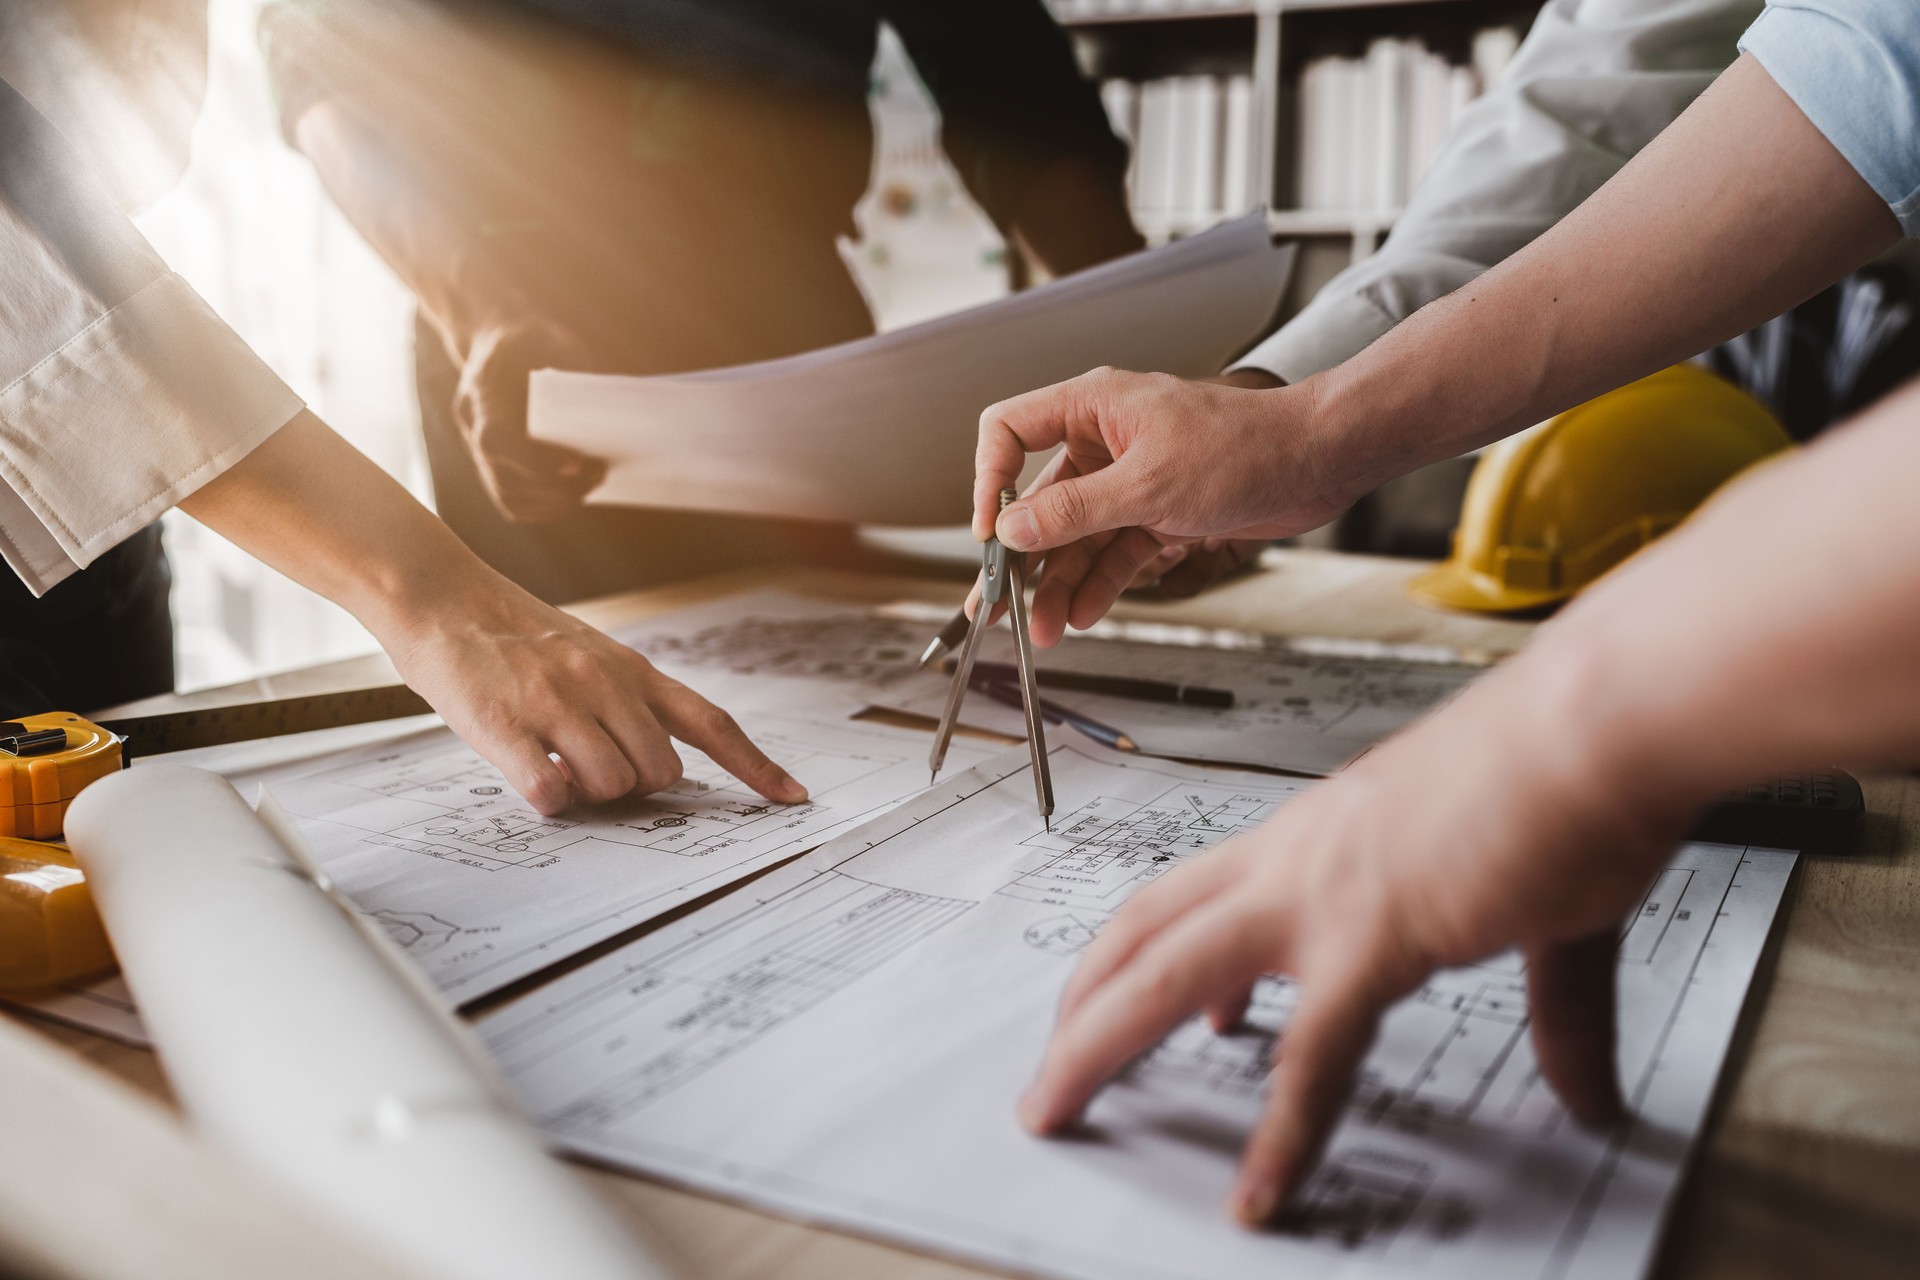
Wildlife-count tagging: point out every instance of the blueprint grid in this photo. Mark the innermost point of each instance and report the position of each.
(1306, 712)
(844, 1040)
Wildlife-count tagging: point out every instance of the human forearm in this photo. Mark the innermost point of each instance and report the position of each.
(1635, 279)
(1779, 628)
(565, 713)
(313, 507)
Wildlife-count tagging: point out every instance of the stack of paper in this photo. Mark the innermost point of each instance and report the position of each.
(882, 431)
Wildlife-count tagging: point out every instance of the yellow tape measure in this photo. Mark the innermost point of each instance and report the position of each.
(49, 933)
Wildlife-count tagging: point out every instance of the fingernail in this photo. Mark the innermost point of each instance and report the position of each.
(1017, 529)
(790, 789)
(1033, 1115)
(1255, 1200)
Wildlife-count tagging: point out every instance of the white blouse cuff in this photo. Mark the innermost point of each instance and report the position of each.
(136, 412)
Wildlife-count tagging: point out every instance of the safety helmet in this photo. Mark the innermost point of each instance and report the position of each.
(1551, 509)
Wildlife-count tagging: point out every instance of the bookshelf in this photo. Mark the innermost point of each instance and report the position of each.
(1329, 109)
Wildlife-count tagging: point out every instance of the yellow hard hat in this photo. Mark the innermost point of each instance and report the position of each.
(1551, 509)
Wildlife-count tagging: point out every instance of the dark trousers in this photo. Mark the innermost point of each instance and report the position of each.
(103, 636)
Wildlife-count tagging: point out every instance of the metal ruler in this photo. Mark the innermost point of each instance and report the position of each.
(245, 721)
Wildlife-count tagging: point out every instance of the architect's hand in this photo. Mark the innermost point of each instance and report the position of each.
(1183, 570)
(1421, 856)
(564, 712)
(530, 481)
(1532, 810)
(1150, 463)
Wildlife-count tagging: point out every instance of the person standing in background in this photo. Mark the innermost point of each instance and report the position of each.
(648, 187)
(122, 395)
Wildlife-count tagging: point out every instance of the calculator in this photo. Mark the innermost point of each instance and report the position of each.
(1816, 813)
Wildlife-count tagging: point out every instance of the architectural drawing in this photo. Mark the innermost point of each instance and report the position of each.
(721, 991)
(829, 642)
(1450, 1049)
(902, 979)
(420, 828)
(1369, 1199)
(472, 819)
(1292, 710)
(1108, 847)
(418, 932)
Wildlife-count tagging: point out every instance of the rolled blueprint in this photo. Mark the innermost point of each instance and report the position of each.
(293, 1040)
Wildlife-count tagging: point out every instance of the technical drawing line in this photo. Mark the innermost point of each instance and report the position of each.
(722, 990)
(1588, 1204)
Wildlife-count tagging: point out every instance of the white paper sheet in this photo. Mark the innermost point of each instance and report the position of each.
(882, 430)
(844, 1040)
(300, 1042)
(481, 890)
(1308, 713)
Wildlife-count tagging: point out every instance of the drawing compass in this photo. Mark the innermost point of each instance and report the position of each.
(1003, 576)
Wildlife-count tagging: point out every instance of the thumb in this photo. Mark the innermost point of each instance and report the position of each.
(1570, 986)
(1069, 510)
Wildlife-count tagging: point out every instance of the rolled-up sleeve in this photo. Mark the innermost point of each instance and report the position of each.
(1853, 68)
(1594, 81)
(120, 391)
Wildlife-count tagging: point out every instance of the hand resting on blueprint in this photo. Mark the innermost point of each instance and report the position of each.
(564, 712)
(1533, 810)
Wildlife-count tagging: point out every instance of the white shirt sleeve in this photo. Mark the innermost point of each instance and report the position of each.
(1593, 82)
(120, 391)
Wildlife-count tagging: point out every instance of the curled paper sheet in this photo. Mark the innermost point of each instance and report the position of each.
(882, 430)
(299, 1045)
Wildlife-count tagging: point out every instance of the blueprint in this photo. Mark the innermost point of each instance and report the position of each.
(482, 890)
(427, 838)
(844, 1040)
(1300, 711)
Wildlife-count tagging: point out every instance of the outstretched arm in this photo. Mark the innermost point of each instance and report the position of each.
(1534, 809)
(519, 680)
(1737, 212)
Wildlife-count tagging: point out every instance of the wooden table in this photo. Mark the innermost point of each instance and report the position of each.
(1811, 1166)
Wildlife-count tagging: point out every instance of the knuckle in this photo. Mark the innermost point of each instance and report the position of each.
(1061, 507)
(659, 771)
(620, 778)
(547, 793)
(1160, 984)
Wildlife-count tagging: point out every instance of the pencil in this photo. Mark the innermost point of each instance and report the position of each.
(1009, 696)
(1192, 695)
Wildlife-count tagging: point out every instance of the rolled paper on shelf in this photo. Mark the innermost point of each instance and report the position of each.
(305, 1047)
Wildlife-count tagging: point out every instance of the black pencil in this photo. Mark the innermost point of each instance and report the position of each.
(1192, 695)
(1008, 695)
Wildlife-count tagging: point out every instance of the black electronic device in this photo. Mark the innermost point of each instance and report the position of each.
(1817, 813)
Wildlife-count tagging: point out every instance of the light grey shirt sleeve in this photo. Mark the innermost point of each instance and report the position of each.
(1594, 81)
